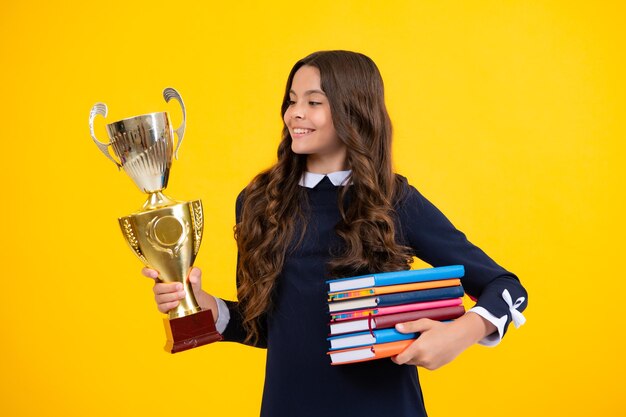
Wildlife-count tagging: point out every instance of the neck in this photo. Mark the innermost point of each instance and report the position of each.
(320, 164)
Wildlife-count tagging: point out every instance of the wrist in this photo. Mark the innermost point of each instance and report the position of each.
(206, 301)
(471, 328)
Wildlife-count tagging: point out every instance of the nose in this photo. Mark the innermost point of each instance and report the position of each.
(296, 111)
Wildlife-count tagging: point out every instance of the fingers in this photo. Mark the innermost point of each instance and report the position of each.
(195, 278)
(195, 275)
(165, 307)
(419, 326)
(167, 295)
(150, 273)
(417, 353)
(410, 356)
(166, 288)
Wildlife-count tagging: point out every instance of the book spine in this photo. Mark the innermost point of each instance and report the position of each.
(425, 305)
(351, 315)
(392, 335)
(390, 289)
(352, 304)
(383, 350)
(386, 350)
(419, 275)
(353, 340)
(419, 296)
(397, 277)
(444, 313)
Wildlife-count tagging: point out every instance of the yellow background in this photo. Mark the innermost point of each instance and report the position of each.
(509, 115)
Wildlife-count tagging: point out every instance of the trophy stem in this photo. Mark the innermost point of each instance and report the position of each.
(158, 200)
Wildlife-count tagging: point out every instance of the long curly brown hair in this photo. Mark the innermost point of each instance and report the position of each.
(273, 204)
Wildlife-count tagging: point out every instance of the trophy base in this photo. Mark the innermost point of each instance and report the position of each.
(191, 331)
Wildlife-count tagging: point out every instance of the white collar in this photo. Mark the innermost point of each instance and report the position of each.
(338, 178)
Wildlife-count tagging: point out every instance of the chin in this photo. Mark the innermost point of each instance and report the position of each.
(299, 150)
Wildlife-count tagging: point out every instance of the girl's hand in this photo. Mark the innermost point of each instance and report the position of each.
(439, 343)
(167, 295)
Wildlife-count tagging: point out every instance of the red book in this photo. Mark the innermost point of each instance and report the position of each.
(390, 320)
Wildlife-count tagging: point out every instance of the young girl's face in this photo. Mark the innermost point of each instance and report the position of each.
(310, 123)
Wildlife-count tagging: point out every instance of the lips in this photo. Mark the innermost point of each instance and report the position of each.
(299, 132)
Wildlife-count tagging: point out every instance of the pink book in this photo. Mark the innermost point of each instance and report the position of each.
(348, 315)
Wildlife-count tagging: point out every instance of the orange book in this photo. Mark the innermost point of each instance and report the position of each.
(390, 289)
(368, 353)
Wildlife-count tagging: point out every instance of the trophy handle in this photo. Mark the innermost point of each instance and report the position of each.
(168, 94)
(100, 109)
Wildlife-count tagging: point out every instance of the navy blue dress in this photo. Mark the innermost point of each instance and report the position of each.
(299, 380)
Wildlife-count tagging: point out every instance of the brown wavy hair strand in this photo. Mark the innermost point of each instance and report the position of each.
(273, 201)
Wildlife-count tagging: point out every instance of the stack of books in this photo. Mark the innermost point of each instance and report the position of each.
(365, 309)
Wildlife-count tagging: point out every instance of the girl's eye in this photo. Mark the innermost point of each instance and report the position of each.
(290, 102)
(314, 103)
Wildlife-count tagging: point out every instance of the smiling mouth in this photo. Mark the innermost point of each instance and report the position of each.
(300, 132)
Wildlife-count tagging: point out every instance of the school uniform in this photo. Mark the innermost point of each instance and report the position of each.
(299, 380)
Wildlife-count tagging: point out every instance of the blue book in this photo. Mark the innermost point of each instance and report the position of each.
(408, 297)
(395, 278)
(368, 338)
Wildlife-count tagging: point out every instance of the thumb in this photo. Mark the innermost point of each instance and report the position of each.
(195, 279)
(150, 273)
(415, 326)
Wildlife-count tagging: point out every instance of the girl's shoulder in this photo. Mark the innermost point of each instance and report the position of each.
(410, 202)
(404, 191)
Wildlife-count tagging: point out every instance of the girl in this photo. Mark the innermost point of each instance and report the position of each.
(332, 206)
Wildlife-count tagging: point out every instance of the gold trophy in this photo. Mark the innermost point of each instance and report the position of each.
(165, 234)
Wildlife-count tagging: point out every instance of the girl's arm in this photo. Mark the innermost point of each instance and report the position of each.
(499, 293)
(167, 296)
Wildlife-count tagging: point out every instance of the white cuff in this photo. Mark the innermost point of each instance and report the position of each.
(494, 338)
(223, 315)
(518, 319)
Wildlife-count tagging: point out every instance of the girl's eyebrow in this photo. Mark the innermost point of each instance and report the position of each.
(308, 92)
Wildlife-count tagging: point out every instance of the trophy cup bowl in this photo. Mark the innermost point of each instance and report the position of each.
(165, 234)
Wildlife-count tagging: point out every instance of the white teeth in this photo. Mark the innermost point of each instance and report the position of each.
(299, 131)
